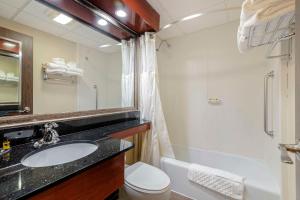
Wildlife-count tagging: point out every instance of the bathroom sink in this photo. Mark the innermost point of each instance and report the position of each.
(59, 154)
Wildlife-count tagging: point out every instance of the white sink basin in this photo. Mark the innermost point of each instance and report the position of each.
(59, 154)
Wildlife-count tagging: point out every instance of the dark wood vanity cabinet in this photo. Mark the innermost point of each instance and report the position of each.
(97, 182)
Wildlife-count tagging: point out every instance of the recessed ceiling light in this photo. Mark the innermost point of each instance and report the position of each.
(102, 22)
(121, 13)
(62, 19)
(9, 44)
(167, 26)
(192, 16)
(119, 44)
(183, 19)
(104, 45)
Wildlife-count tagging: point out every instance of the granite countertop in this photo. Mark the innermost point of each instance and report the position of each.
(18, 181)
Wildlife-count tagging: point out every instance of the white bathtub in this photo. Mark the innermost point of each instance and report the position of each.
(259, 183)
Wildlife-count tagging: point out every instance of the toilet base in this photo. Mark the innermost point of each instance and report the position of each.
(131, 194)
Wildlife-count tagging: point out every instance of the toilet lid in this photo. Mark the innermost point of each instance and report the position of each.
(146, 177)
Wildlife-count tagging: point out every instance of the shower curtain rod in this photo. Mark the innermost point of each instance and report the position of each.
(199, 14)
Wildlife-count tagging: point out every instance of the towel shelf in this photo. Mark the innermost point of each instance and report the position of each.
(272, 47)
(9, 82)
(57, 77)
(277, 34)
(267, 24)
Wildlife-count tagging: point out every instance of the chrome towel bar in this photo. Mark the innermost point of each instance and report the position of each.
(96, 94)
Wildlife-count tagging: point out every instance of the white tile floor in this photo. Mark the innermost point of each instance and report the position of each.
(174, 196)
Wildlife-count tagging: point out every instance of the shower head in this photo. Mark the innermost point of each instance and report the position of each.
(161, 43)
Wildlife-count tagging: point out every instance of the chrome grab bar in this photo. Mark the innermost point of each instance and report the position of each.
(96, 93)
(266, 103)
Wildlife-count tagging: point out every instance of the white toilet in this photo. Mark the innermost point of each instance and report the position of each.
(145, 182)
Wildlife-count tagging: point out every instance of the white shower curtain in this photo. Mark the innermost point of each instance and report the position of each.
(128, 57)
(156, 142)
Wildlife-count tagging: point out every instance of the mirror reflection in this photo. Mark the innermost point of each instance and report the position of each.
(9, 74)
(75, 68)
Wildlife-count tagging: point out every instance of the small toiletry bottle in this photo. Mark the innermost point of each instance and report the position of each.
(5, 152)
(6, 145)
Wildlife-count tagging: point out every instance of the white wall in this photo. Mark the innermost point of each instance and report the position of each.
(207, 64)
(114, 80)
(103, 70)
(296, 172)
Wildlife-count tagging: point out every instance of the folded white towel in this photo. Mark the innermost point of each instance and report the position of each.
(56, 66)
(226, 183)
(2, 76)
(9, 75)
(254, 13)
(265, 10)
(75, 70)
(71, 73)
(55, 71)
(72, 65)
(62, 72)
(59, 61)
(15, 79)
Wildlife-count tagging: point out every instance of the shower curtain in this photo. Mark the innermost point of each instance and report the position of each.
(128, 58)
(156, 141)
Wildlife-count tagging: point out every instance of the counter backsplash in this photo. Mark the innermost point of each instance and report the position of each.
(28, 133)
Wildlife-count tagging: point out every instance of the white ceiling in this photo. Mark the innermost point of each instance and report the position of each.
(172, 10)
(38, 16)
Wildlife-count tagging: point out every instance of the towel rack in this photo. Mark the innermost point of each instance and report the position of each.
(278, 33)
(271, 32)
(57, 77)
(267, 77)
(272, 47)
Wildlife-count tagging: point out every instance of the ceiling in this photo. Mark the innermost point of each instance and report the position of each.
(38, 16)
(172, 10)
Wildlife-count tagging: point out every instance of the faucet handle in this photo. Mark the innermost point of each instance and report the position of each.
(51, 125)
(54, 124)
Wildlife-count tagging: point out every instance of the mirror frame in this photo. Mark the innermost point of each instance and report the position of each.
(26, 68)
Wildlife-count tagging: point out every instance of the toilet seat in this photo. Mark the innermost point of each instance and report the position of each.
(146, 178)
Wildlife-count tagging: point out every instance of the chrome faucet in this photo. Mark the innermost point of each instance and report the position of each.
(50, 135)
(293, 148)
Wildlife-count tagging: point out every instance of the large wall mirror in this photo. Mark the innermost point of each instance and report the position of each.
(75, 68)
